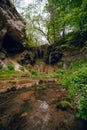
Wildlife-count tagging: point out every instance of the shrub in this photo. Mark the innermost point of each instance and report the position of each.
(77, 85)
(79, 79)
(33, 72)
(1, 67)
(76, 82)
(82, 108)
(10, 66)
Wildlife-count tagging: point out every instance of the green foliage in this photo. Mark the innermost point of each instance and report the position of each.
(38, 88)
(54, 20)
(65, 17)
(7, 74)
(66, 45)
(10, 66)
(79, 78)
(33, 72)
(35, 23)
(82, 108)
(76, 84)
(74, 80)
(1, 67)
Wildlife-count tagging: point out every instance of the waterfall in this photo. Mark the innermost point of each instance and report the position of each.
(38, 68)
(49, 59)
(3, 63)
(36, 54)
(40, 51)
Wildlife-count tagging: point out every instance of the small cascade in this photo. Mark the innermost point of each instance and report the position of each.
(49, 59)
(36, 53)
(38, 68)
(40, 53)
(4, 64)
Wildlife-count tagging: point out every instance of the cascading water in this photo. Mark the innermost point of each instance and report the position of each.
(36, 53)
(49, 59)
(4, 64)
(40, 52)
(38, 68)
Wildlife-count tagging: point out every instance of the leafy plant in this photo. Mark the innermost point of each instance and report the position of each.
(10, 66)
(1, 67)
(82, 108)
(33, 72)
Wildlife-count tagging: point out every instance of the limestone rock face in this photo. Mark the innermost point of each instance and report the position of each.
(12, 28)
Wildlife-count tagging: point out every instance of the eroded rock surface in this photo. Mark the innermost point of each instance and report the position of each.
(12, 28)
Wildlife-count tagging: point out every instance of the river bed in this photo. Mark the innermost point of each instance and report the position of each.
(35, 108)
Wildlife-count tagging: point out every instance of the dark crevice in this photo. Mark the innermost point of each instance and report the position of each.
(11, 45)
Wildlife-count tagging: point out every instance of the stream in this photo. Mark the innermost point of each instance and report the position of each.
(35, 108)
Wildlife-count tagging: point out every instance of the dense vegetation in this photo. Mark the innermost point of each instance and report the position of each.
(66, 16)
(50, 20)
(75, 81)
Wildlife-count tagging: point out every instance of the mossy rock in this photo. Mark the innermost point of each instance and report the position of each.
(64, 105)
(44, 87)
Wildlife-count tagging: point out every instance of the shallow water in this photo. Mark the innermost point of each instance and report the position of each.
(32, 109)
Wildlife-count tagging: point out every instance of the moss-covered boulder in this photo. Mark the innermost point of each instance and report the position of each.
(64, 105)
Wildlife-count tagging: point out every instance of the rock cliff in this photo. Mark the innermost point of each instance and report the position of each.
(12, 28)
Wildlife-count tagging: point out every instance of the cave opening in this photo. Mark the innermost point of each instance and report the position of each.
(11, 45)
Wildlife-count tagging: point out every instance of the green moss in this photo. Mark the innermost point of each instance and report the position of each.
(44, 87)
(65, 105)
(38, 88)
(82, 108)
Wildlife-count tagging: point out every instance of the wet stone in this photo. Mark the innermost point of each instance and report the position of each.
(44, 105)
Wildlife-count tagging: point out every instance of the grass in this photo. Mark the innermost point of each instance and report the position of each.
(8, 75)
(12, 74)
